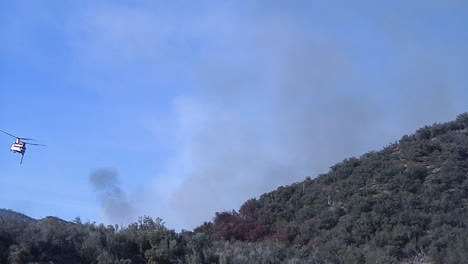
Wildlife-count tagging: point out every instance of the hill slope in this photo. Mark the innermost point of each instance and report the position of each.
(404, 204)
(407, 201)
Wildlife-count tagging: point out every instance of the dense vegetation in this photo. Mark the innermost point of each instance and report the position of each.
(406, 203)
(52, 240)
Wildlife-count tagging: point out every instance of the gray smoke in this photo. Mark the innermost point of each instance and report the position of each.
(290, 104)
(250, 138)
(116, 207)
(278, 92)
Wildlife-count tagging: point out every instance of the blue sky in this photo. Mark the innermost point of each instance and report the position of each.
(185, 108)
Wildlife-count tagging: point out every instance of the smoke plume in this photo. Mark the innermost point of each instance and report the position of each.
(116, 206)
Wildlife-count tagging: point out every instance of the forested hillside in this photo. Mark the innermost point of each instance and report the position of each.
(404, 204)
(407, 201)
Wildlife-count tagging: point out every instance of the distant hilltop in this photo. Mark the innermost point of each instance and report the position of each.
(7, 214)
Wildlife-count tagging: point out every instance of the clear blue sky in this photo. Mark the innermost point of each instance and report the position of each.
(196, 106)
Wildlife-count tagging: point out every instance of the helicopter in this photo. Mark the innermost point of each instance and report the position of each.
(19, 146)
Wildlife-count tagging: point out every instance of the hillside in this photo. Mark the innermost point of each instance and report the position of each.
(404, 204)
(408, 200)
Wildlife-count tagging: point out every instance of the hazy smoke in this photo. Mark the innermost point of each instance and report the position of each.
(116, 207)
(288, 105)
(243, 139)
(275, 92)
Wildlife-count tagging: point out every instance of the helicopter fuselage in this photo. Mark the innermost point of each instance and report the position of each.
(19, 147)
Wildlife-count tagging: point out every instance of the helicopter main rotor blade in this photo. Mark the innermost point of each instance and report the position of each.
(27, 139)
(36, 144)
(9, 134)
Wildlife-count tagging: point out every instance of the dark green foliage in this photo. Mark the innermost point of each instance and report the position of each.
(406, 203)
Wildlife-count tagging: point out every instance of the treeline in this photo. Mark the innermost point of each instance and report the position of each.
(404, 204)
(147, 241)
